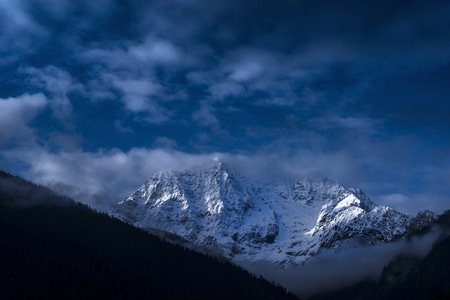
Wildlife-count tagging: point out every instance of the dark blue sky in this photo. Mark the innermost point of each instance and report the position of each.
(95, 96)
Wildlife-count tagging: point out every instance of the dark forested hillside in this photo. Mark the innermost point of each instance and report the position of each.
(54, 248)
(408, 277)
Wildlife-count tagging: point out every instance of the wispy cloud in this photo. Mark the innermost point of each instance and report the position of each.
(16, 115)
(57, 84)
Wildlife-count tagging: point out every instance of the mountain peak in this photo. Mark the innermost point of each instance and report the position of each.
(217, 163)
(283, 223)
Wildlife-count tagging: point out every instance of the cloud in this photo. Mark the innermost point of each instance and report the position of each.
(57, 84)
(355, 125)
(246, 71)
(225, 89)
(16, 115)
(245, 64)
(414, 202)
(104, 177)
(333, 269)
(100, 178)
(395, 199)
(137, 96)
(135, 55)
(280, 163)
(133, 73)
(155, 51)
(112, 174)
(20, 34)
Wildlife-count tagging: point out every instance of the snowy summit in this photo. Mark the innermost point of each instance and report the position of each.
(219, 210)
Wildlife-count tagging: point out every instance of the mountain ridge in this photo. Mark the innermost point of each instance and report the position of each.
(216, 208)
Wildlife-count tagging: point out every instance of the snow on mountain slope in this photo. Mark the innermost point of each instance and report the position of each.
(287, 224)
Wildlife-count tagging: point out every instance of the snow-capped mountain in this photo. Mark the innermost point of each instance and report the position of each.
(217, 209)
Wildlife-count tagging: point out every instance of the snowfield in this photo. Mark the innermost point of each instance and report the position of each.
(287, 224)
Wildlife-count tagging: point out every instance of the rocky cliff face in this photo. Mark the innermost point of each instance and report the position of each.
(287, 224)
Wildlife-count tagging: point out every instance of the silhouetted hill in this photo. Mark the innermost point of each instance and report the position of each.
(54, 248)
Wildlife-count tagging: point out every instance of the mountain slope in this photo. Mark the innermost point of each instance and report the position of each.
(217, 209)
(54, 248)
(408, 277)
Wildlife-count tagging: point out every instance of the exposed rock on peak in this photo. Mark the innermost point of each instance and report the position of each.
(215, 208)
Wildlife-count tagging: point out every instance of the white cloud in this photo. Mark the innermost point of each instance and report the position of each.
(246, 71)
(52, 78)
(396, 200)
(156, 51)
(111, 175)
(222, 90)
(415, 202)
(100, 178)
(143, 57)
(278, 163)
(355, 124)
(15, 115)
(57, 83)
(105, 177)
(140, 96)
(247, 63)
(331, 269)
(136, 93)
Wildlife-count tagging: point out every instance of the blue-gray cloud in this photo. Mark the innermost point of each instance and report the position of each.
(16, 115)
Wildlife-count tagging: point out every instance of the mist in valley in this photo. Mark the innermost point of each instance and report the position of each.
(336, 268)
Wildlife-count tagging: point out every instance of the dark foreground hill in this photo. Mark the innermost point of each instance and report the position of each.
(54, 248)
(408, 277)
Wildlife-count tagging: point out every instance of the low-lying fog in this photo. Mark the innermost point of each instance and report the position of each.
(333, 269)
